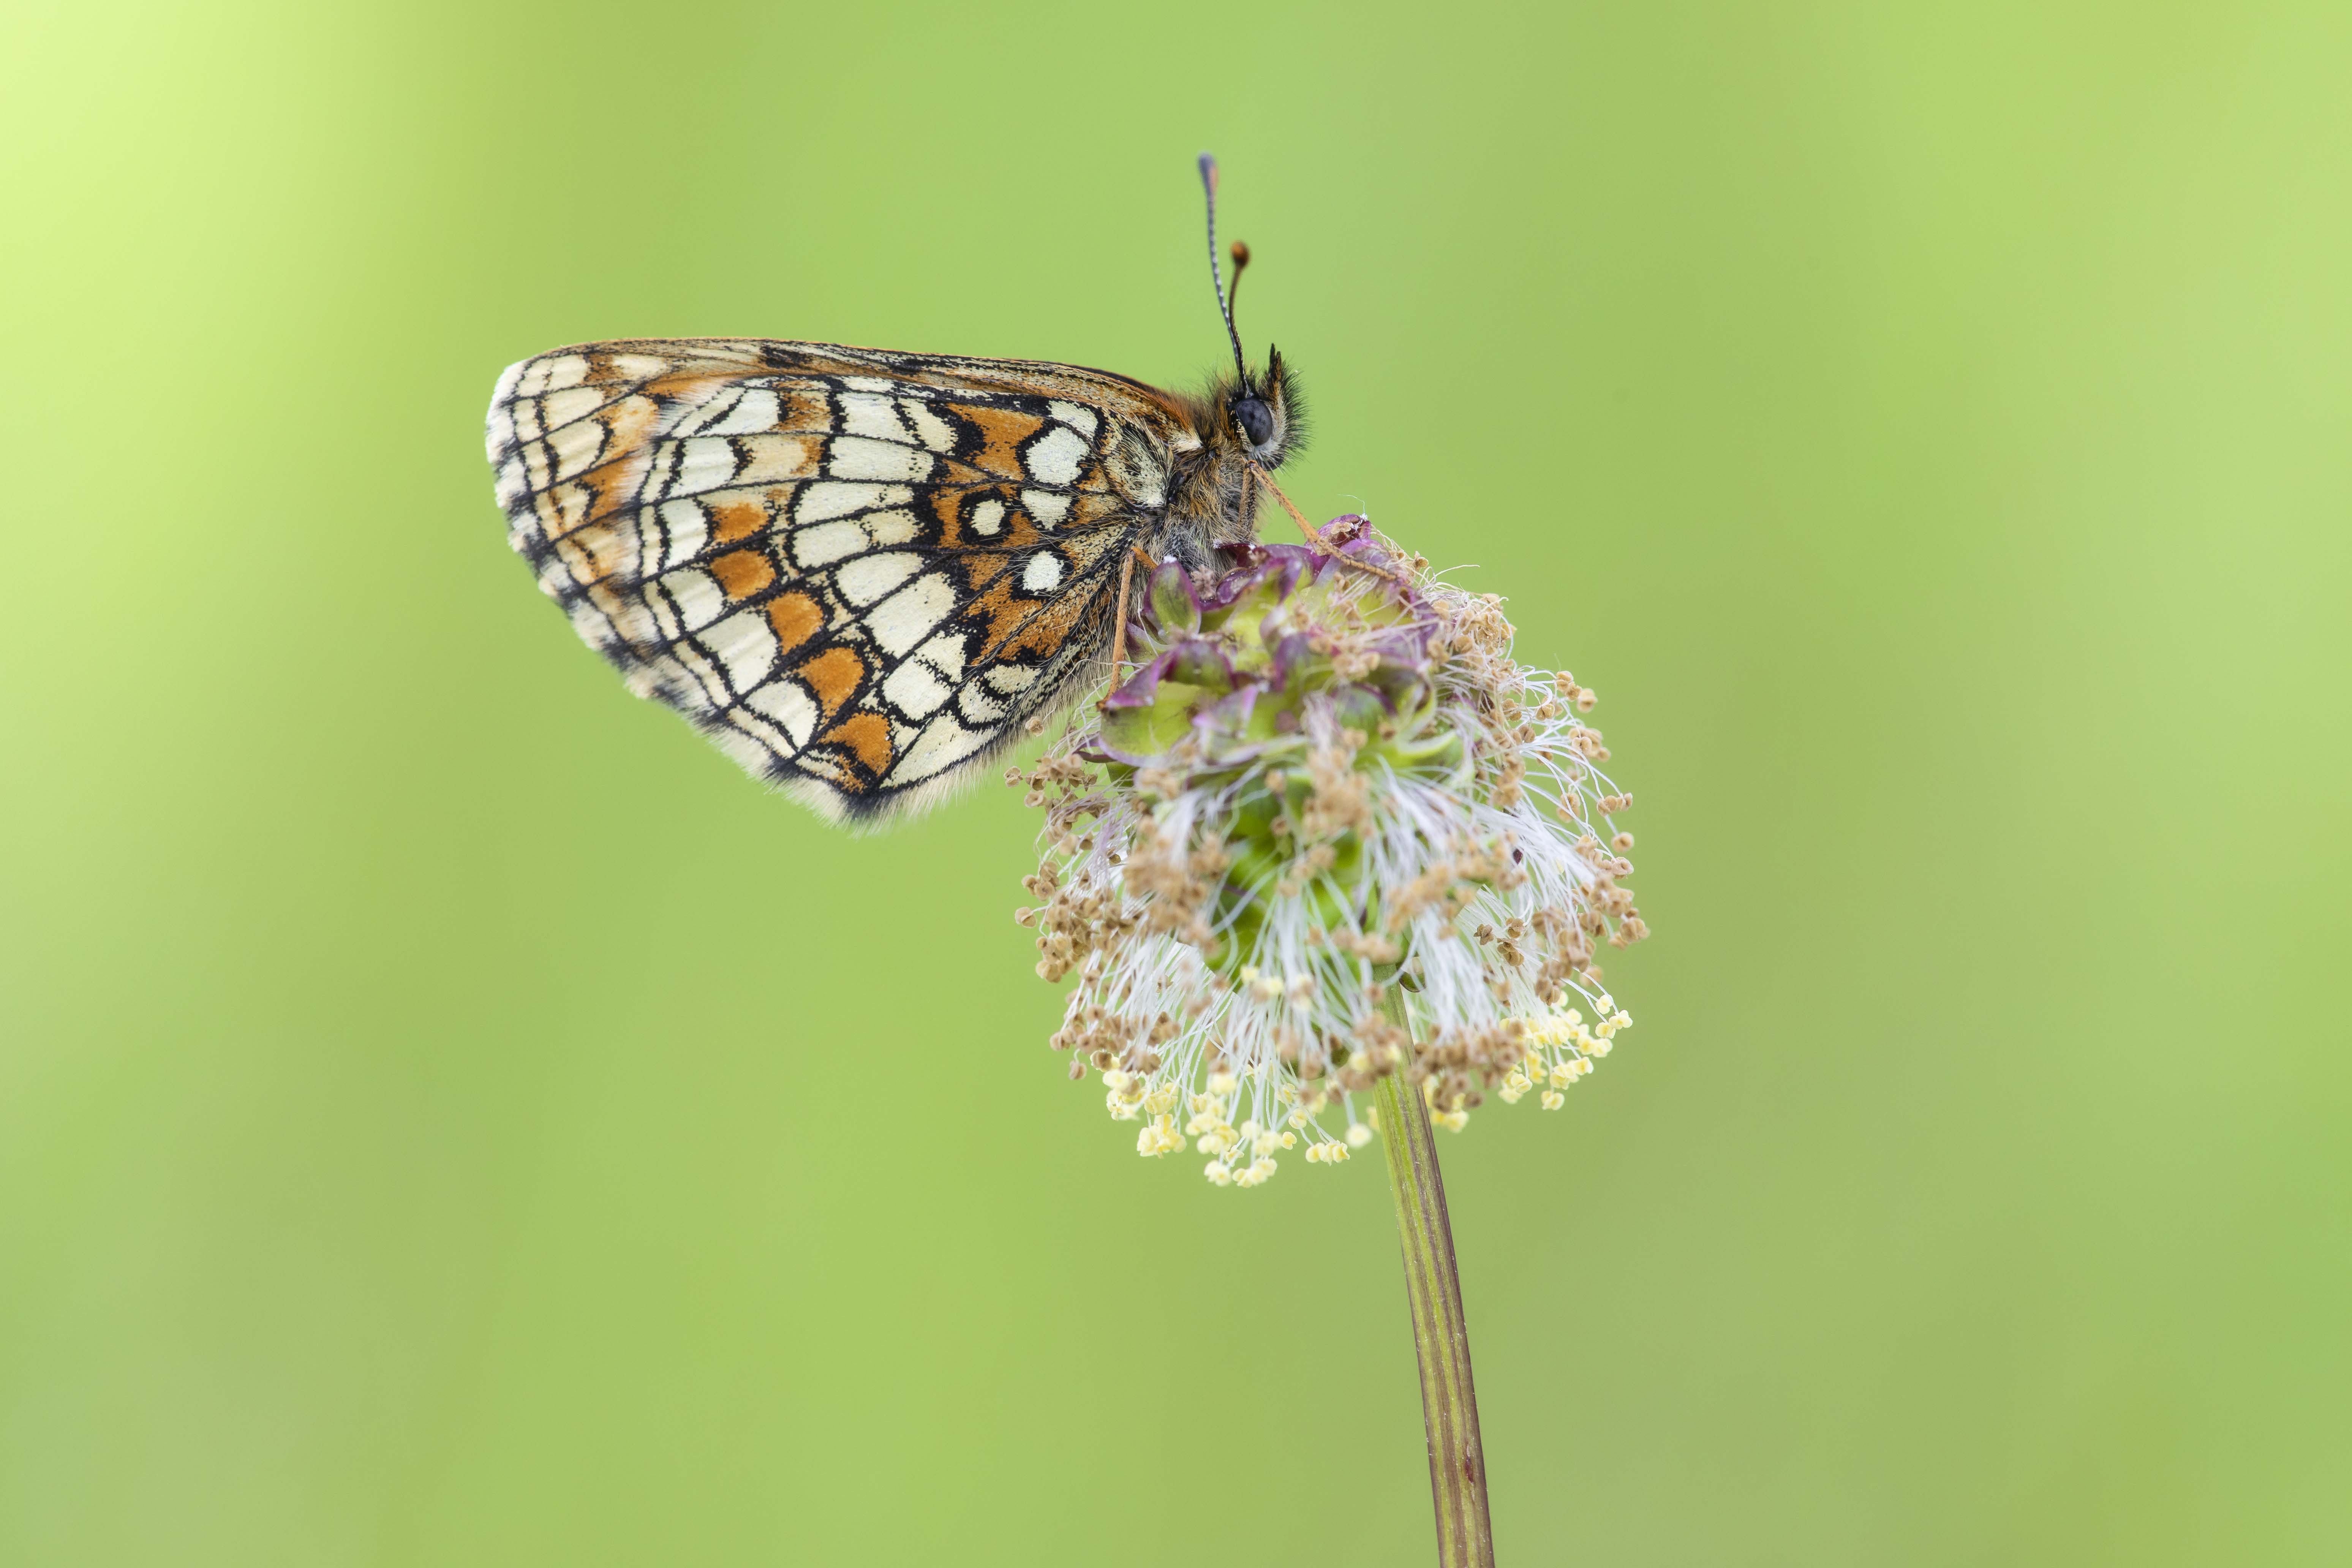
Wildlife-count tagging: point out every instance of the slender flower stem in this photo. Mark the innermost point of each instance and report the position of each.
(1449, 1401)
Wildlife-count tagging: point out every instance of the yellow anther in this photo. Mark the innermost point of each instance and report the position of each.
(1359, 1135)
(1553, 1100)
(1159, 1138)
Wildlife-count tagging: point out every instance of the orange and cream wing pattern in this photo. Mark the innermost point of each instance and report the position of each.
(858, 570)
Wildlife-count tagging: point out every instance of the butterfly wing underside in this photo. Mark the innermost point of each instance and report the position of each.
(859, 572)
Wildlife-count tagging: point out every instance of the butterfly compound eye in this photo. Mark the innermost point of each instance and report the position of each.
(1256, 419)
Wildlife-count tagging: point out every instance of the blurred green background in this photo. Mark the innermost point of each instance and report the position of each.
(448, 1115)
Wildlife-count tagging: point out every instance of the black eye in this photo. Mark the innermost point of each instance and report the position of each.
(1256, 419)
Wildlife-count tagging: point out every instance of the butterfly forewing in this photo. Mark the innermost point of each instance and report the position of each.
(858, 570)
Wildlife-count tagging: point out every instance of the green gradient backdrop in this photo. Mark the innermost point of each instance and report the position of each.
(447, 1115)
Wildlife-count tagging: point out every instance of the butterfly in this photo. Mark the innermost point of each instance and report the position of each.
(864, 572)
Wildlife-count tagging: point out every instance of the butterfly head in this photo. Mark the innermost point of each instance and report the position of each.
(1261, 413)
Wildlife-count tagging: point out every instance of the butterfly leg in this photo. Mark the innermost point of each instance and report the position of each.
(1314, 534)
(1118, 630)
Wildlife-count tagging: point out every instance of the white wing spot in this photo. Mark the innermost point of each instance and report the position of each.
(1043, 572)
(987, 518)
(873, 417)
(1053, 458)
(933, 431)
(827, 543)
(1048, 507)
(792, 708)
(706, 463)
(860, 457)
(744, 646)
(892, 527)
(690, 530)
(576, 445)
(915, 690)
(573, 403)
(696, 595)
(943, 744)
(912, 614)
(1076, 413)
(820, 501)
(753, 412)
(946, 651)
(869, 577)
(548, 374)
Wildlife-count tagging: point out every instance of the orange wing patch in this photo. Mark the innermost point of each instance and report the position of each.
(1001, 432)
(832, 676)
(743, 572)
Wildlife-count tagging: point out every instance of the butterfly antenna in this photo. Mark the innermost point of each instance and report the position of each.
(1216, 278)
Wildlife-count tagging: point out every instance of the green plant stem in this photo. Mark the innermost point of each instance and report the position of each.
(1449, 1400)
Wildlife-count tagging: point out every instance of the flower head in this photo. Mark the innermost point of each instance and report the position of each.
(1328, 788)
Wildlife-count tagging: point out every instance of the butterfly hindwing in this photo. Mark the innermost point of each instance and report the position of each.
(860, 572)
